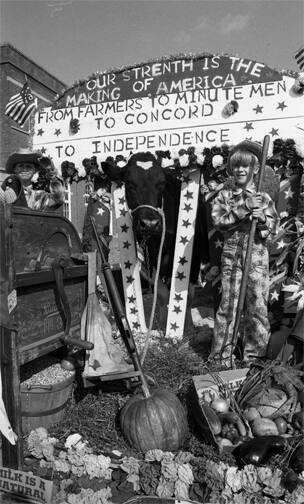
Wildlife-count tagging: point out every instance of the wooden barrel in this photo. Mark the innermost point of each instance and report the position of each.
(44, 405)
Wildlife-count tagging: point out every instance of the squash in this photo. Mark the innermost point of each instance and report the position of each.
(264, 427)
(158, 421)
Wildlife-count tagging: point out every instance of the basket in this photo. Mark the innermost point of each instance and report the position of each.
(44, 405)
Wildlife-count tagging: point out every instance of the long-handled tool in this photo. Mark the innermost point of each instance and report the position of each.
(247, 263)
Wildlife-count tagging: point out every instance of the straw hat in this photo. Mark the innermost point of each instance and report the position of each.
(22, 156)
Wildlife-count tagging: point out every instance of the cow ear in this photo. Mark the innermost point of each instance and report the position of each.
(112, 171)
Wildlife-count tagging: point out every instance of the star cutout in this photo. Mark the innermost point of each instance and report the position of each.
(184, 240)
(182, 260)
(174, 326)
(187, 207)
(274, 296)
(121, 200)
(189, 195)
(186, 179)
(218, 243)
(136, 325)
(258, 109)
(126, 245)
(57, 132)
(123, 212)
(289, 193)
(128, 264)
(130, 279)
(100, 211)
(178, 297)
(40, 132)
(180, 275)
(131, 299)
(43, 150)
(248, 126)
(177, 309)
(281, 105)
(124, 228)
(274, 132)
(133, 311)
(186, 223)
(281, 244)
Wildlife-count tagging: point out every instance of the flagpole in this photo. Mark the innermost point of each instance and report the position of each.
(20, 130)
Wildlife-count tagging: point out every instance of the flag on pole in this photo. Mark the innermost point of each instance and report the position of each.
(21, 105)
(299, 57)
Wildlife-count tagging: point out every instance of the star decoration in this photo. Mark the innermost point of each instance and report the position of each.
(182, 260)
(136, 325)
(178, 297)
(274, 296)
(126, 245)
(130, 279)
(40, 132)
(189, 195)
(281, 105)
(281, 244)
(258, 109)
(128, 264)
(187, 207)
(180, 275)
(186, 179)
(174, 326)
(131, 299)
(177, 309)
(124, 228)
(100, 211)
(57, 132)
(133, 310)
(289, 193)
(248, 126)
(184, 240)
(43, 150)
(218, 243)
(274, 132)
(186, 223)
(123, 212)
(121, 200)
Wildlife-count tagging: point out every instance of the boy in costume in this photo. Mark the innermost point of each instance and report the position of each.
(18, 188)
(232, 213)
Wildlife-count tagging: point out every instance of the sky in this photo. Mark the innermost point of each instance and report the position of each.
(72, 39)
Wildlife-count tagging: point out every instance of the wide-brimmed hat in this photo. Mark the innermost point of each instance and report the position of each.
(246, 146)
(22, 156)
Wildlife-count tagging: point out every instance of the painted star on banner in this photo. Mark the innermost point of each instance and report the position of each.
(274, 132)
(40, 132)
(177, 309)
(289, 193)
(186, 223)
(130, 279)
(178, 297)
(180, 275)
(131, 299)
(218, 243)
(186, 179)
(182, 260)
(187, 207)
(281, 105)
(136, 325)
(121, 200)
(57, 132)
(133, 311)
(126, 245)
(100, 211)
(124, 228)
(189, 195)
(43, 150)
(274, 296)
(174, 326)
(258, 109)
(281, 244)
(128, 264)
(123, 212)
(248, 126)
(184, 240)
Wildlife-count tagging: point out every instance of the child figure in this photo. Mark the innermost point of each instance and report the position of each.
(232, 213)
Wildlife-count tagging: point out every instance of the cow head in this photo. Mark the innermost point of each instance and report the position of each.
(145, 183)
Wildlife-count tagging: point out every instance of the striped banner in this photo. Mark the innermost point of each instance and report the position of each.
(129, 263)
(183, 254)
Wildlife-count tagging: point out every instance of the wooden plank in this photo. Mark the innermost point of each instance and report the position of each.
(43, 277)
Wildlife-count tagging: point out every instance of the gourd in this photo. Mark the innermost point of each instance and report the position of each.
(157, 421)
(264, 427)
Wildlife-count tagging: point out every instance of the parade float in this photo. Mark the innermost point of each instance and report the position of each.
(246, 424)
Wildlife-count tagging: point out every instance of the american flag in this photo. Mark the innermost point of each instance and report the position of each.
(20, 106)
(299, 57)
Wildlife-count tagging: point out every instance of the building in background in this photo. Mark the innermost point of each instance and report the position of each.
(15, 69)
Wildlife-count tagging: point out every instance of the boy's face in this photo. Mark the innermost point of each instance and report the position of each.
(243, 174)
(25, 171)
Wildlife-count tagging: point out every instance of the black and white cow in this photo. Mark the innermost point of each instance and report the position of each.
(149, 188)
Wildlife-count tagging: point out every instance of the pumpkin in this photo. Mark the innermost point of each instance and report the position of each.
(157, 421)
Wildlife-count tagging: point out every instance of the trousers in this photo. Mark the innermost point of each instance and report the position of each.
(255, 315)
